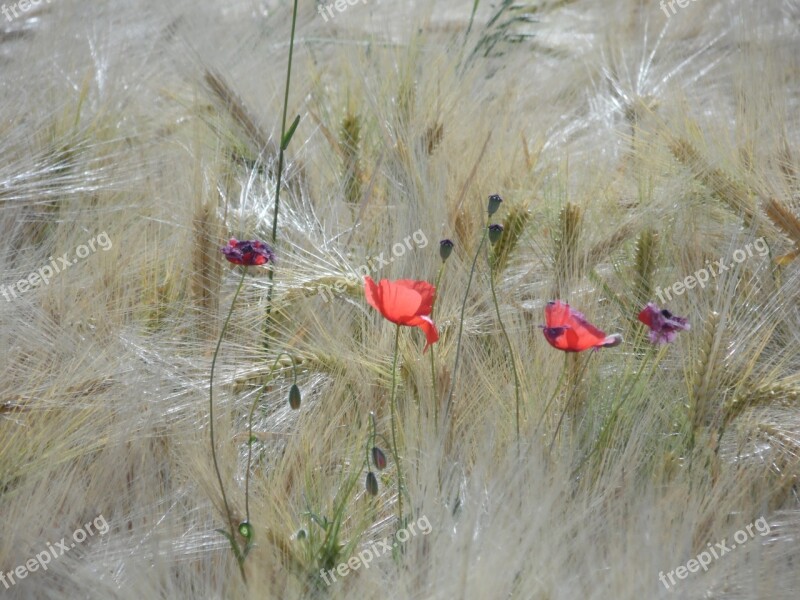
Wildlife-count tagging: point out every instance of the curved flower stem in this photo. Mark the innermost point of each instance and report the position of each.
(394, 429)
(491, 259)
(250, 429)
(433, 367)
(228, 515)
(281, 149)
(371, 442)
(461, 325)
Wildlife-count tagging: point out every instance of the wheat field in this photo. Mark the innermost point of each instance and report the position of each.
(639, 149)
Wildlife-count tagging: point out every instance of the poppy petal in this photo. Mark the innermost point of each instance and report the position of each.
(398, 303)
(426, 324)
(425, 290)
(568, 330)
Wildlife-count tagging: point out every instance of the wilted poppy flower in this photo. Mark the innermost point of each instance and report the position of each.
(664, 326)
(404, 302)
(249, 253)
(568, 330)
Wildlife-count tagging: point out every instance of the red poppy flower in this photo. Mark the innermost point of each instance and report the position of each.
(664, 326)
(568, 330)
(404, 302)
(248, 253)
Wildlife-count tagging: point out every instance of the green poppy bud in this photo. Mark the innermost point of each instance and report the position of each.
(246, 530)
(494, 203)
(294, 397)
(445, 249)
(495, 231)
(378, 458)
(372, 484)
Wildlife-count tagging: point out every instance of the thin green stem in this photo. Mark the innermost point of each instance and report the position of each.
(211, 427)
(569, 399)
(555, 393)
(394, 429)
(471, 19)
(508, 341)
(461, 325)
(250, 429)
(371, 443)
(279, 175)
(433, 366)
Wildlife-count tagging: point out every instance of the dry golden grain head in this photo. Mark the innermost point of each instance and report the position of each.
(514, 224)
(732, 192)
(645, 264)
(350, 144)
(567, 244)
(784, 219)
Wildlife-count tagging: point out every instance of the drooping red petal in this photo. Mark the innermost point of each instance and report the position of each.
(646, 316)
(427, 326)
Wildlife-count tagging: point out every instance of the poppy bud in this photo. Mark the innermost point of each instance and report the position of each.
(495, 231)
(246, 530)
(378, 458)
(445, 249)
(494, 203)
(301, 534)
(372, 484)
(294, 397)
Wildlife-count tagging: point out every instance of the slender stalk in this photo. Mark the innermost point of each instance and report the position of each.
(250, 429)
(433, 366)
(211, 427)
(569, 399)
(279, 176)
(555, 393)
(471, 19)
(491, 259)
(461, 324)
(394, 429)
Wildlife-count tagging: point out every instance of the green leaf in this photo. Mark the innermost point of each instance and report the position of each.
(288, 137)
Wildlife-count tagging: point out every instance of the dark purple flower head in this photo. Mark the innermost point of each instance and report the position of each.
(372, 484)
(249, 253)
(664, 326)
(445, 249)
(494, 203)
(495, 231)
